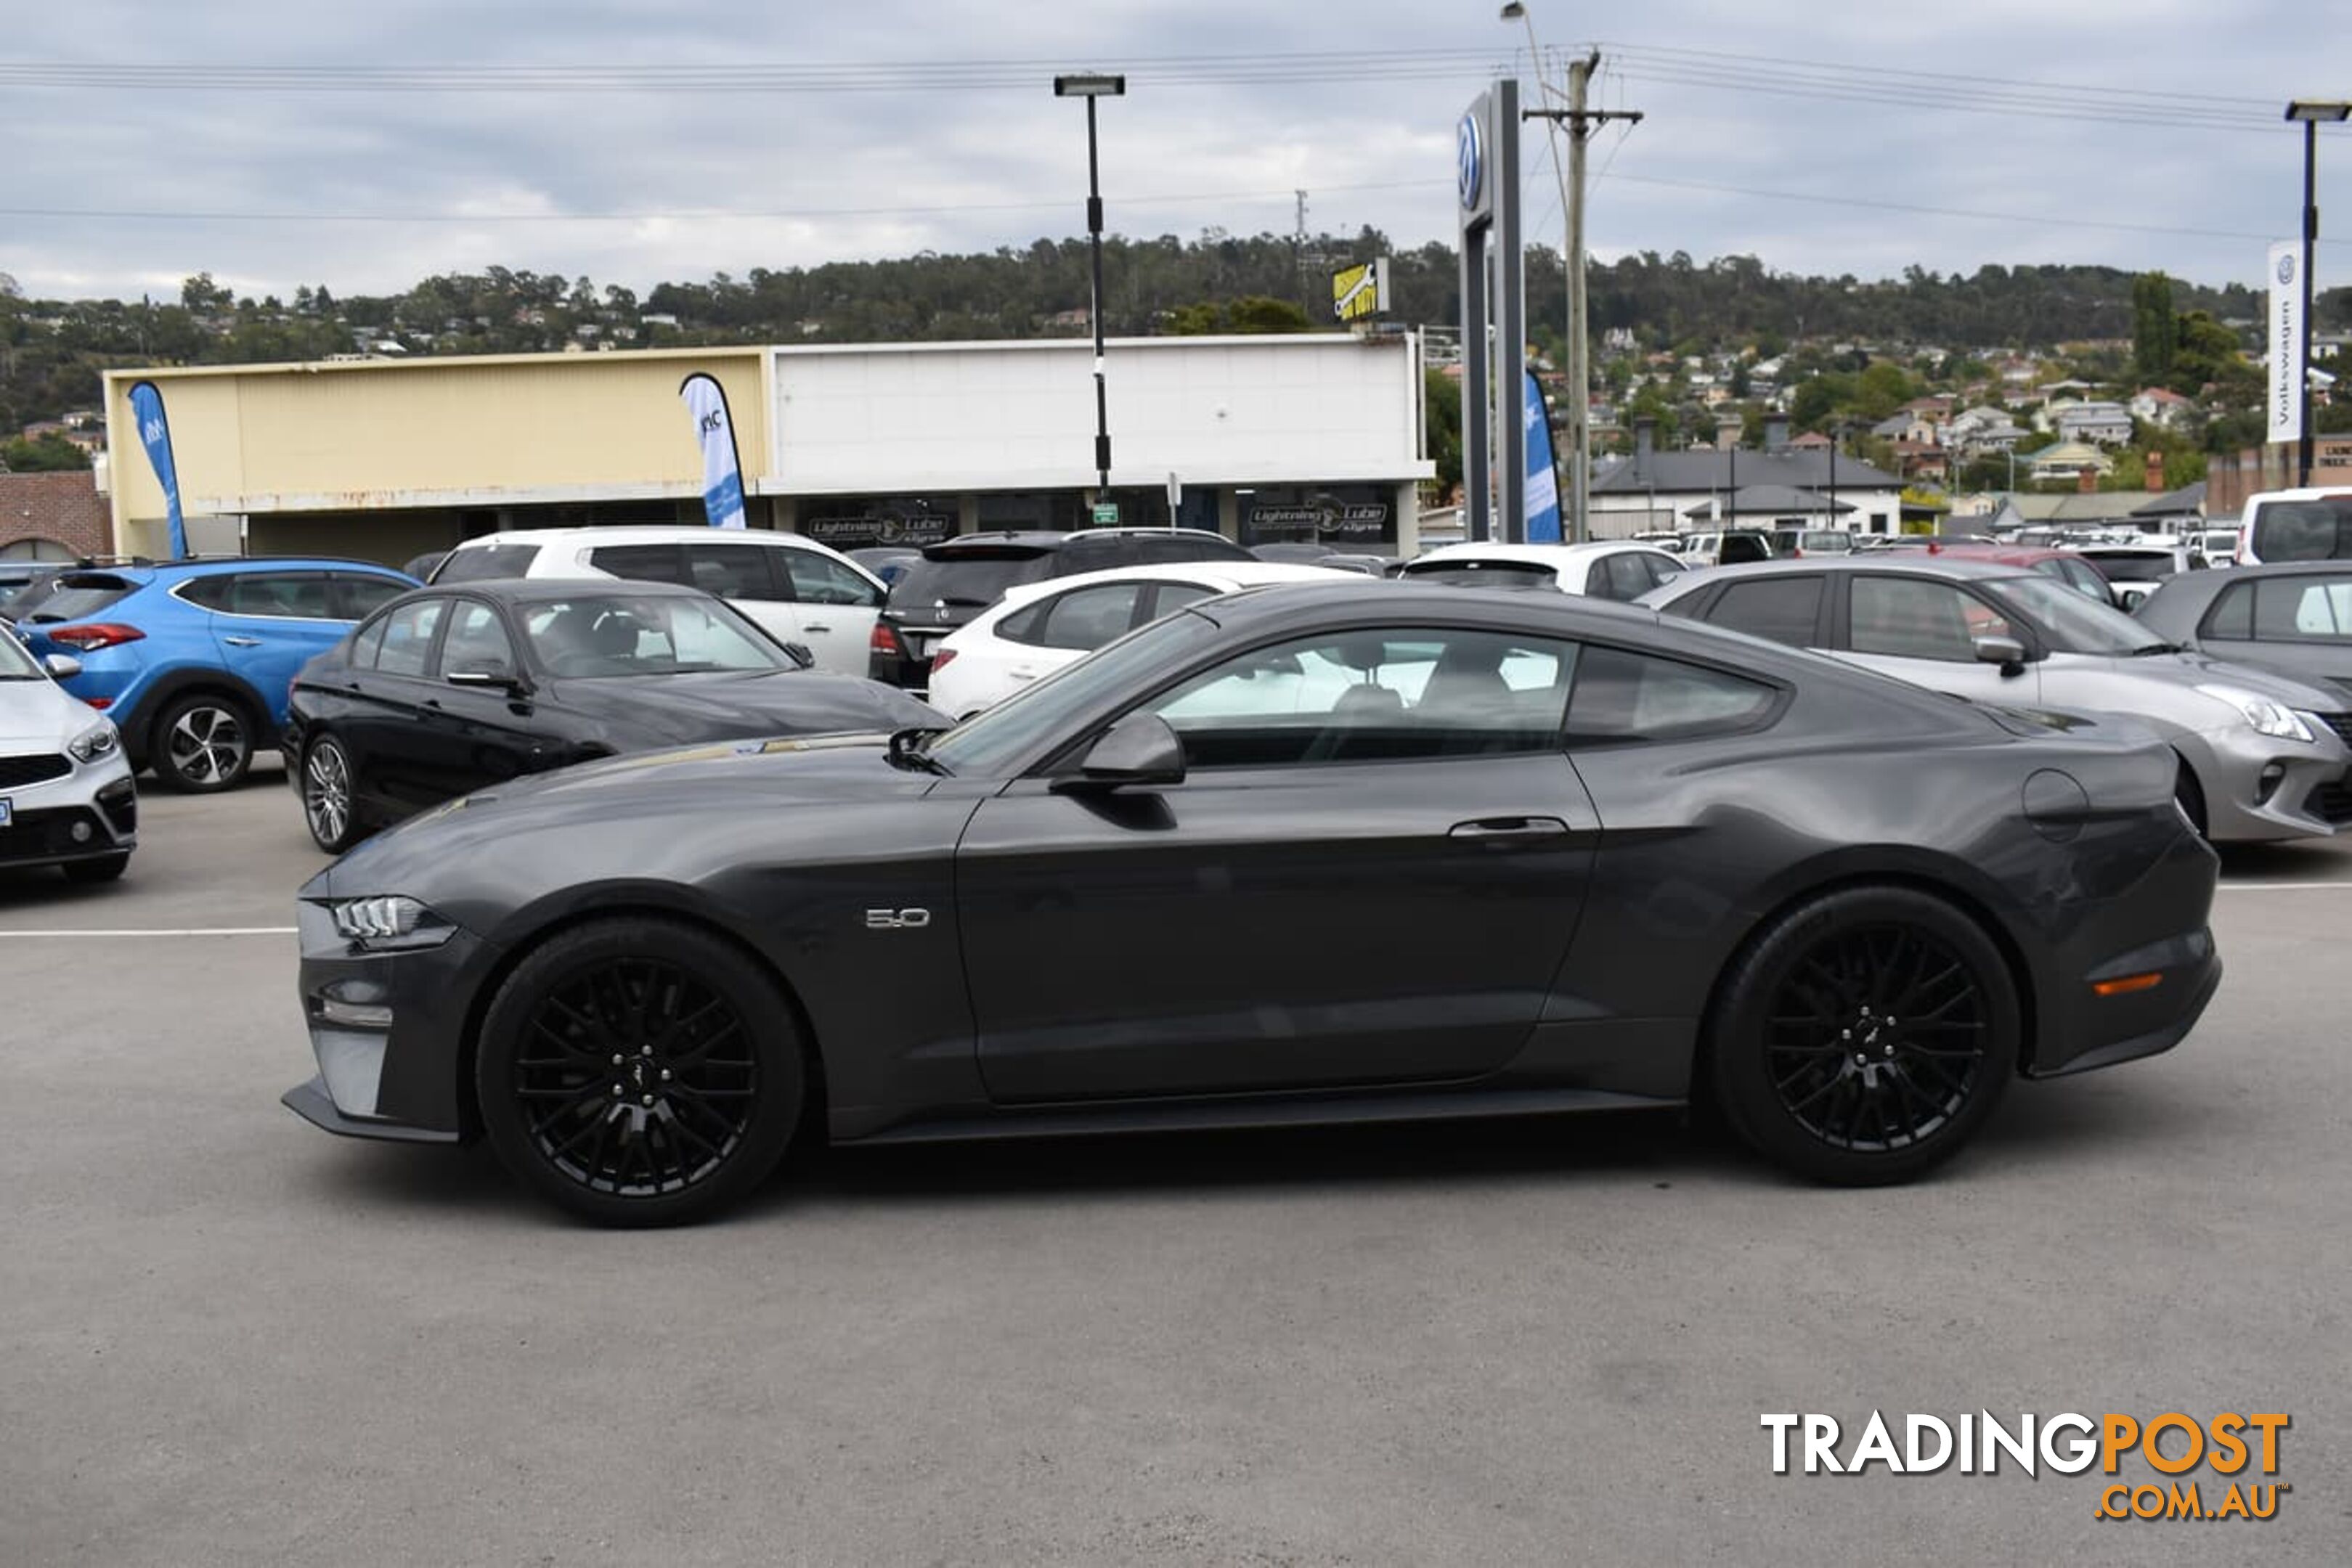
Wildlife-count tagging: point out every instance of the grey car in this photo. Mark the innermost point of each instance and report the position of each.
(2295, 619)
(2262, 755)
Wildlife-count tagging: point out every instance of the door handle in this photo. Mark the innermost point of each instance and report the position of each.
(242, 642)
(813, 626)
(1492, 829)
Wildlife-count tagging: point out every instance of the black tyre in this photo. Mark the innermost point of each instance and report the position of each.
(201, 743)
(639, 1071)
(1865, 1037)
(330, 805)
(2191, 796)
(105, 868)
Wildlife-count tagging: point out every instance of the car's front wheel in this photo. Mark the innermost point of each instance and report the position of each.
(1865, 1036)
(329, 807)
(201, 743)
(639, 1071)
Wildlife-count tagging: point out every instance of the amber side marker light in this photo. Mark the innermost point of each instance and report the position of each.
(2126, 986)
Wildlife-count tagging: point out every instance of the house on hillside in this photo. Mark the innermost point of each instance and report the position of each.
(2163, 407)
(2065, 460)
(2101, 423)
(1652, 489)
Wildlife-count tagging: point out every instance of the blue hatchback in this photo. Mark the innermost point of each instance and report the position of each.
(193, 659)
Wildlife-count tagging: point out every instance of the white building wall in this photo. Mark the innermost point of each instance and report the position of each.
(1004, 415)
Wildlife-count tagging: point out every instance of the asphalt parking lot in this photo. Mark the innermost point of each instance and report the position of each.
(225, 1337)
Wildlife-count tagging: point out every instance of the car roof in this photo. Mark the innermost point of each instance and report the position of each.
(1232, 574)
(641, 534)
(1533, 554)
(537, 589)
(1972, 567)
(1043, 540)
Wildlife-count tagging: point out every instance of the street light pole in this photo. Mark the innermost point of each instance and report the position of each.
(2310, 113)
(1091, 87)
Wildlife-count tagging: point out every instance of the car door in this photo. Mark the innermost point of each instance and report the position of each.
(268, 624)
(476, 735)
(834, 606)
(1376, 886)
(382, 712)
(1924, 630)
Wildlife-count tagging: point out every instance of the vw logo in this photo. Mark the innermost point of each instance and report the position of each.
(2287, 269)
(1470, 171)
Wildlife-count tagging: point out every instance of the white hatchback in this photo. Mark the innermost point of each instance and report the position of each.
(65, 795)
(1600, 569)
(1039, 627)
(797, 590)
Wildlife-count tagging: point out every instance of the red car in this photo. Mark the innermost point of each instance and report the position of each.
(2064, 565)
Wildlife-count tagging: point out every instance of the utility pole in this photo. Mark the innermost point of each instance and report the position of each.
(1581, 123)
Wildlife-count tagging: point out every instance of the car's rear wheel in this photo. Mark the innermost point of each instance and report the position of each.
(105, 868)
(201, 743)
(639, 1071)
(1865, 1036)
(329, 807)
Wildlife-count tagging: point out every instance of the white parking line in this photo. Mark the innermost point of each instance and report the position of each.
(2286, 886)
(162, 931)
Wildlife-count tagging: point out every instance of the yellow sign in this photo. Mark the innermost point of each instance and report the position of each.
(1361, 292)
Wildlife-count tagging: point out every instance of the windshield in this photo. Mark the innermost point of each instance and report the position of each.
(1458, 573)
(2318, 530)
(985, 746)
(970, 581)
(596, 636)
(16, 664)
(75, 596)
(2072, 622)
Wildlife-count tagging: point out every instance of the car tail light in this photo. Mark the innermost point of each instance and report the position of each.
(97, 635)
(940, 660)
(100, 703)
(883, 642)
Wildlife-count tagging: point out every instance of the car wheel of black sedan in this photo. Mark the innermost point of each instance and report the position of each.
(638, 1071)
(327, 801)
(1865, 1036)
(201, 744)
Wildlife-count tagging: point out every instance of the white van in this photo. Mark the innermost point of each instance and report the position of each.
(796, 588)
(2296, 525)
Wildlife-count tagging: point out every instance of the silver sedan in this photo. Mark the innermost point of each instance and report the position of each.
(2262, 755)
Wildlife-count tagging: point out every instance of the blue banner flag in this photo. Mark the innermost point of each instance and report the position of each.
(155, 435)
(1543, 480)
(722, 464)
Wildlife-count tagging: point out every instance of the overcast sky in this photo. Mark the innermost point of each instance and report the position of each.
(1843, 102)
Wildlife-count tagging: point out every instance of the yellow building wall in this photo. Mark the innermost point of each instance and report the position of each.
(382, 435)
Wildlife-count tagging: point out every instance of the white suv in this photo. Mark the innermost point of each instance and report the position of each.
(796, 588)
(2296, 525)
(65, 795)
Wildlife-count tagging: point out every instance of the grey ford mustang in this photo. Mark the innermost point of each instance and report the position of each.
(1300, 854)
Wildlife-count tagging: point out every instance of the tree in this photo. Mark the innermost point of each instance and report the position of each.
(1441, 424)
(2155, 329)
(48, 454)
(201, 296)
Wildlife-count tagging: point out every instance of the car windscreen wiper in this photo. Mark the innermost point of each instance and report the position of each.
(908, 749)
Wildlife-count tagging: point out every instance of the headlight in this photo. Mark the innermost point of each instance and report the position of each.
(2273, 719)
(389, 920)
(93, 744)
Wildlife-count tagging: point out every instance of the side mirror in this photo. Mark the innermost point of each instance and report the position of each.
(1139, 750)
(62, 666)
(495, 676)
(801, 654)
(2006, 652)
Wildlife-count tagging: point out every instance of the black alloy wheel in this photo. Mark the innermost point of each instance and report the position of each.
(329, 807)
(201, 743)
(639, 1071)
(1865, 1036)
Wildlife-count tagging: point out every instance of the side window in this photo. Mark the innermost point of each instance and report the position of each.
(2303, 610)
(1783, 609)
(1596, 579)
(358, 596)
(639, 563)
(408, 637)
(1909, 618)
(1663, 569)
(476, 640)
(1623, 696)
(285, 595)
(820, 580)
(2232, 619)
(1374, 696)
(1086, 618)
(1628, 578)
(733, 572)
(207, 592)
(367, 645)
(1025, 625)
(1169, 597)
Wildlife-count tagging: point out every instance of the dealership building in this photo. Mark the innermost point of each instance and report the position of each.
(1261, 438)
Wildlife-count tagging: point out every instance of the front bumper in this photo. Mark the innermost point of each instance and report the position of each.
(387, 1029)
(90, 813)
(2258, 787)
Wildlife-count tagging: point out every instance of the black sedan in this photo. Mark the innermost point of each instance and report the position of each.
(449, 689)
(1300, 854)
